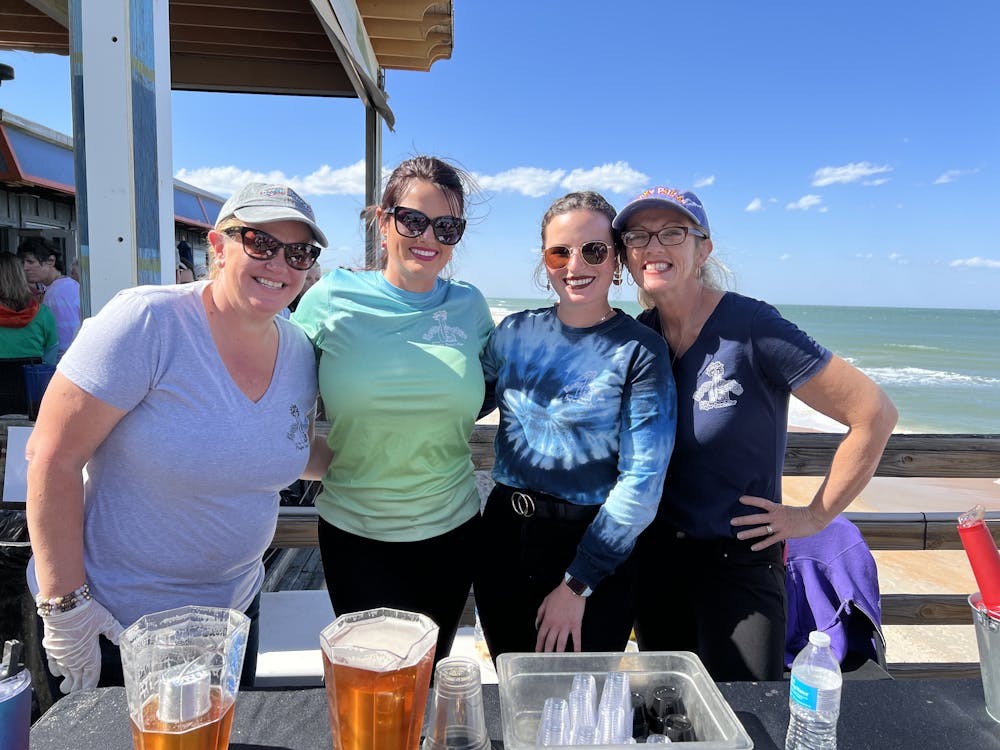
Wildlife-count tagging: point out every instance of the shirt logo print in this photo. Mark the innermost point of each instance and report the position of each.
(298, 433)
(579, 391)
(442, 333)
(715, 392)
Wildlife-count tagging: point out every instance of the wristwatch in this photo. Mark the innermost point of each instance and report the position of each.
(577, 586)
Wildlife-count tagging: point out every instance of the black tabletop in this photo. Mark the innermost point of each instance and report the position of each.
(874, 714)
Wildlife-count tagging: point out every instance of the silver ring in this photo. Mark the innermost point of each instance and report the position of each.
(770, 531)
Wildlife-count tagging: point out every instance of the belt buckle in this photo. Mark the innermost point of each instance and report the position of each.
(522, 504)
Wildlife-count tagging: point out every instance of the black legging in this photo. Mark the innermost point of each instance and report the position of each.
(431, 576)
(713, 597)
(522, 560)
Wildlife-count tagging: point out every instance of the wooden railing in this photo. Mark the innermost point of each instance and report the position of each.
(809, 454)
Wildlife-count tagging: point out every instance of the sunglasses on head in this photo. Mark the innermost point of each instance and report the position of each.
(260, 245)
(594, 253)
(410, 222)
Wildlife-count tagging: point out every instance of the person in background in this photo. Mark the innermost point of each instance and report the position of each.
(719, 532)
(314, 274)
(587, 413)
(43, 264)
(204, 369)
(74, 271)
(185, 253)
(401, 380)
(27, 328)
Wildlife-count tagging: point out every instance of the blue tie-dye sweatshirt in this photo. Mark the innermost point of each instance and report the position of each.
(587, 415)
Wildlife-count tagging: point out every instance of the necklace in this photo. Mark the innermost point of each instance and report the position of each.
(604, 317)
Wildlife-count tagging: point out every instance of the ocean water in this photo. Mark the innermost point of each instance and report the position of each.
(941, 368)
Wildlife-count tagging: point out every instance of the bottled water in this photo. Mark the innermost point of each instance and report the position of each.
(814, 697)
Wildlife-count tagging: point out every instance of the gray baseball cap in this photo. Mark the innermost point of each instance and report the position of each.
(260, 203)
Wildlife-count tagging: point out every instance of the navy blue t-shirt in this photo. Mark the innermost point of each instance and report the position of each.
(733, 386)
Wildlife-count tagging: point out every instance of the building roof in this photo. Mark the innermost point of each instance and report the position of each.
(313, 47)
(33, 156)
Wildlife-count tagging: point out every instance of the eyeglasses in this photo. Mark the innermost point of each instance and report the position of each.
(410, 222)
(639, 238)
(260, 245)
(594, 253)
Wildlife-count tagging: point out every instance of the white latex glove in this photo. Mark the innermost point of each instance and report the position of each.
(72, 645)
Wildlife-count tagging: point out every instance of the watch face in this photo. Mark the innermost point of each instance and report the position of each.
(577, 586)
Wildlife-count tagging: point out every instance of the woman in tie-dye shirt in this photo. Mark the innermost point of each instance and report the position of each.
(586, 430)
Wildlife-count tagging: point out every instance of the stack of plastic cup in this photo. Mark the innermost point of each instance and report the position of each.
(459, 721)
(553, 729)
(615, 707)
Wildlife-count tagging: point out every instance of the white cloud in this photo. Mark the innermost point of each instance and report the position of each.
(975, 262)
(863, 256)
(879, 181)
(755, 205)
(784, 256)
(615, 178)
(705, 181)
(227, 180)
(898, 258)
(805, 203)
(852, 172)
(953, 174)
(824, 209)
(530, 181)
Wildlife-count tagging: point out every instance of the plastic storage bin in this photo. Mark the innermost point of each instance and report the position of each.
(526, 680)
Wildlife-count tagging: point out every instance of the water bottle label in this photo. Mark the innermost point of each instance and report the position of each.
(803, 694)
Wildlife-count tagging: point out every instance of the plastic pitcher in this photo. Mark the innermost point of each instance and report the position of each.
(377, 667)
(182, 672)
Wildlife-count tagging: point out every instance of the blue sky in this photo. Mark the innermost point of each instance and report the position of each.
(846, 153)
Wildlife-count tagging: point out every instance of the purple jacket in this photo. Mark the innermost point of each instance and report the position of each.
(831, 580)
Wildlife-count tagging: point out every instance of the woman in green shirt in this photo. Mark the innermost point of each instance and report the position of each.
(402, 384)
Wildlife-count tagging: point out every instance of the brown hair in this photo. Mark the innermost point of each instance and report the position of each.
(14, 290)
(584, 200)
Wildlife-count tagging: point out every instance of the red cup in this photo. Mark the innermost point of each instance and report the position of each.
(984, 559)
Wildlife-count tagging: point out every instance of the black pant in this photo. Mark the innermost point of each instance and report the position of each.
(111, 657)
(713, 597)
(432, 576)
(523, 559)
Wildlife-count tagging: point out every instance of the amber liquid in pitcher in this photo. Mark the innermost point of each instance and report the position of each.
(210, 731)
(377, 710)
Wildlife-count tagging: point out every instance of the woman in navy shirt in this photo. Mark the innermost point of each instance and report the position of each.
(714, 580)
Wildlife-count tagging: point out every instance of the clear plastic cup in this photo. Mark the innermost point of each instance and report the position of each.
(552, 729)
(458, 720)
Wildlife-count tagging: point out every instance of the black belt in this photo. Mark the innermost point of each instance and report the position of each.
(533, 504)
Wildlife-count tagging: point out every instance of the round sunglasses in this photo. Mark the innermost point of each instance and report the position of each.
(260, 245)
(594, 253)
(410, 222)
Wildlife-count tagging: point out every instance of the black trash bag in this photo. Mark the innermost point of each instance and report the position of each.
(14, 547)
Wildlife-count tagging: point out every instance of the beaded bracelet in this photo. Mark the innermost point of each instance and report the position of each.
(63, 603)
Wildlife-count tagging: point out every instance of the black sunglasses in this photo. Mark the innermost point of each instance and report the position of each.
(260, 245)
(410, 222)
(594, 253)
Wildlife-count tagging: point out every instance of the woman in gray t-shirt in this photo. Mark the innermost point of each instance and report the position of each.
(160, 375)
